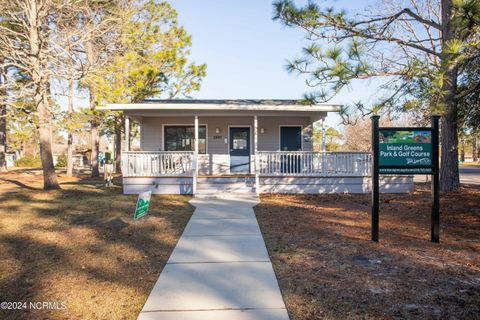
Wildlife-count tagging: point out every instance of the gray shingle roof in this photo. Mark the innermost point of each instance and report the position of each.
(270, 102)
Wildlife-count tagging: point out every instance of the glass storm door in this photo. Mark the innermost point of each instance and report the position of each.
(239, 150)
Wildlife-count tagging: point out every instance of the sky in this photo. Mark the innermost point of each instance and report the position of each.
(246, 51)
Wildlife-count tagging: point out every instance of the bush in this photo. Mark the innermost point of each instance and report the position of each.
(28, 162)
(61, 161)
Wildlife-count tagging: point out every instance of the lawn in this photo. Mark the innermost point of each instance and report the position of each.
(79, 248)
(328, 268)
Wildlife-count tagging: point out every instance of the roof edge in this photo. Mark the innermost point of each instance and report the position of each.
(220, 106)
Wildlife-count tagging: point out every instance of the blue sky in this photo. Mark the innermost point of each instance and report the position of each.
(246, 51)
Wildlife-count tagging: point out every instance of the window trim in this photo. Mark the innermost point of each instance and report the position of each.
(280, 135)
(164, 125)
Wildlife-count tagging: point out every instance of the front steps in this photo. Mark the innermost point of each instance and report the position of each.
(225, 186)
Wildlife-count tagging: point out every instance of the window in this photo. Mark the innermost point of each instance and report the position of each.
(290, 138)
(181, 138)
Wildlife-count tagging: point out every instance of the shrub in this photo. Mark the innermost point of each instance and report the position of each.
(28, 162)
(61, 161)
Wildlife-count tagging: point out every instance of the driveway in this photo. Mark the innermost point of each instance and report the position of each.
(468, 175)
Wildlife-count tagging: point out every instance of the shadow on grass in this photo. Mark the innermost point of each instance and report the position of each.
(19, 184)
(80, 246)
(328, 267)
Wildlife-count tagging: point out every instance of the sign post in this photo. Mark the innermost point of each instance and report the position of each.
(375, 179)
(405, 150)
(435, 216)
(143, 203)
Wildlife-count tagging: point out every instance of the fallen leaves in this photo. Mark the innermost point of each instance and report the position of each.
(328, 267)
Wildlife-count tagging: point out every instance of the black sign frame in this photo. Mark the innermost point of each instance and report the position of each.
(434, 167)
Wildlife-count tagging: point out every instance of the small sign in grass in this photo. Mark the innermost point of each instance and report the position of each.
(143, 203)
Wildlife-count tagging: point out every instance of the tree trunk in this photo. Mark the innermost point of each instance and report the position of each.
(474, 148)
(44, 130)
(449, 175)
(95, 147)
(462, 150)
(118, 147)
(94, 123)
(40, 81)
(3, 133)
(70, 134)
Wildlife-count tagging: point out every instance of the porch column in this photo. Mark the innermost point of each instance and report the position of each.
(255, 151)
(127, 133)
(195, 157)
(324, 138)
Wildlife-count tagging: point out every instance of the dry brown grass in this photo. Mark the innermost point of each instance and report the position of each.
(79, 246)
(329, 269)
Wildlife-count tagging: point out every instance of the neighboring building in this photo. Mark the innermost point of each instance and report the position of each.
(212, 146)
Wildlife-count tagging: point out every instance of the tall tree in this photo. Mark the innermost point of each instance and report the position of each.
(25, 42)
(152, 62)
(3, 123)
(98, 51)
(469, 115)
(414, 45)
(30, 41)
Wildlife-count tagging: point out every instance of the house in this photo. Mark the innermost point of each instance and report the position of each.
(213, 146)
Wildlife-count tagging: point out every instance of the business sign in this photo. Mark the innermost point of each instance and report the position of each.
(405, 151)
(143, 203)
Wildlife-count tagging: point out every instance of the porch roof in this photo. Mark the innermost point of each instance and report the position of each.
(222, 107)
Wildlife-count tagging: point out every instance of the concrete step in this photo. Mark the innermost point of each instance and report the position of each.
(230, 196)
(224, 190)
(225, 179)
(222, 185)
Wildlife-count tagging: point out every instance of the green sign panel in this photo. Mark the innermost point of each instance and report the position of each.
(143, 203)
(405, 151)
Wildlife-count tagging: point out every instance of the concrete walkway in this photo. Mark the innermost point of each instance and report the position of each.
(219, 269)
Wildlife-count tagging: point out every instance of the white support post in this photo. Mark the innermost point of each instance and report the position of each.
(324, 138)
(255, 151)
(127, 133)
(195, 158)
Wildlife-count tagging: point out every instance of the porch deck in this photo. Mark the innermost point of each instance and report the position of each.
(271, 172)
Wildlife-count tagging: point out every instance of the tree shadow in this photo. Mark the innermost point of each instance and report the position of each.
(18, 183)
(85, 237)
(328, 267)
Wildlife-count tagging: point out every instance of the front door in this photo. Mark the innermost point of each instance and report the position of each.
(239, 150)
(290, 140)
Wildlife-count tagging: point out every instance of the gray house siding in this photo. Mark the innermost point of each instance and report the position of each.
(217, 159)
(152, 131)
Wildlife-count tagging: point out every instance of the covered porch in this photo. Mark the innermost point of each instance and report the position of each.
(189, 146)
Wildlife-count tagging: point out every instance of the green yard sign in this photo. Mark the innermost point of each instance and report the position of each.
(405, 151)
(143, 203)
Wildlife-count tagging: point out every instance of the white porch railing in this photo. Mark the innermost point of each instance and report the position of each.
(306, 163)
(157, 163)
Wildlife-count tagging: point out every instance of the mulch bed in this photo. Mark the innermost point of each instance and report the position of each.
(328, 268)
